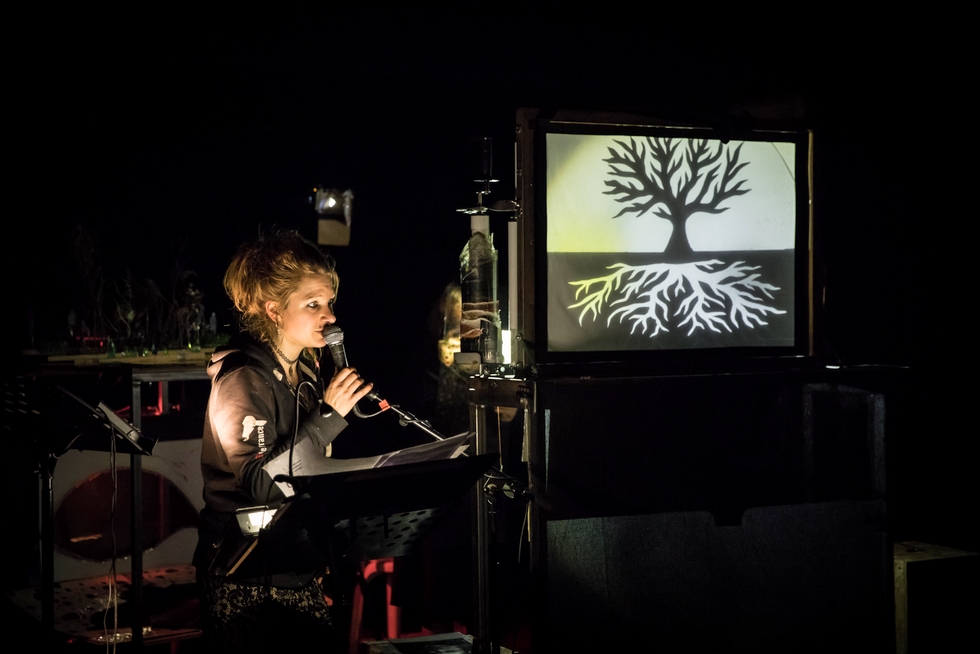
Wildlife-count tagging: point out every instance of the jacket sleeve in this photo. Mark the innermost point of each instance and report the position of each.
(243, 416)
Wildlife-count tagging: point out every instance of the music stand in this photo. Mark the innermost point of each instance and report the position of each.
(65, 422)
(68, 422)
(380, 513)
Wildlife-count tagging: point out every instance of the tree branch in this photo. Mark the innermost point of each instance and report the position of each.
(632, 165)
(654, 182)
(700, 167)
(721, 192)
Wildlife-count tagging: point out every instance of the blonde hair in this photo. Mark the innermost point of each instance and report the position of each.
(271, 268)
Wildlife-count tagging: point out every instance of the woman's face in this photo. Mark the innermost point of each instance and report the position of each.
(308, 310)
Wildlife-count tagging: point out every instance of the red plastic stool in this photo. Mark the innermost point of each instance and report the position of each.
(369, 570)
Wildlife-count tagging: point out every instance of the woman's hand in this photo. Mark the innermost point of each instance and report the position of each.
(344, 391)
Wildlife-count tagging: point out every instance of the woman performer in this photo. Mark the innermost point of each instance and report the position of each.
(284, 289)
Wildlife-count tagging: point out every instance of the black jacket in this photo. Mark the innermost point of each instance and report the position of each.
(251, 417)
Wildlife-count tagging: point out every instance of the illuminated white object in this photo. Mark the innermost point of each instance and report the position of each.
(670, 242)
(250, 521)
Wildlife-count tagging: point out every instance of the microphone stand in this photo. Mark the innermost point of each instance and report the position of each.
(334, 338)
(405, 418)
(499, 484)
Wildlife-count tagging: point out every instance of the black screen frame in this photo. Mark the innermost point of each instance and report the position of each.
(735, 357)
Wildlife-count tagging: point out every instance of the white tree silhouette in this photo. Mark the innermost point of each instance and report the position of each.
(712, 299)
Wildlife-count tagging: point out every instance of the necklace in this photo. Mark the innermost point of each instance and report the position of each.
(286, 359)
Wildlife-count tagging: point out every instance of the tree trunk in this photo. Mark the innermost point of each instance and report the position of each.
(678, 248)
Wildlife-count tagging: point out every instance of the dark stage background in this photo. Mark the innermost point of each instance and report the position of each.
(174, 143)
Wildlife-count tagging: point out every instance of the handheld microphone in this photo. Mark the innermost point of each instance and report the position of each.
(334, 336)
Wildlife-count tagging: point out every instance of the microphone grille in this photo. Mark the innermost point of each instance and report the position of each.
(333, 334)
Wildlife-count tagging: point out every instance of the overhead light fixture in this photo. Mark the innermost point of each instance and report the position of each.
(334, 209)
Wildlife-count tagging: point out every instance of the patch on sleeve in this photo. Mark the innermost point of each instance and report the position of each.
(250, 423)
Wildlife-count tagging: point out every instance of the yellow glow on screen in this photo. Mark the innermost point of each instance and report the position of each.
(580, 214)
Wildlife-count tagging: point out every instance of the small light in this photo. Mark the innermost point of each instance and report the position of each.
(250, 522)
